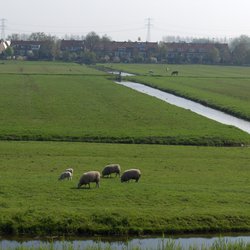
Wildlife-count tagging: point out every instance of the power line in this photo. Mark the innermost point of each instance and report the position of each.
(149, 25)
(2, 26)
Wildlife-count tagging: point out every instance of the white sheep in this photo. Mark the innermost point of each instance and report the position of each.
(91, 176)
(65, 175)
(71, 170)
(131, 174)
(112, 168)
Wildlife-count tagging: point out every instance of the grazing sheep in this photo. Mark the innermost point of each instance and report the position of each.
(174, 73)
(131, 174)
(65, 175)
(112, 168)
(91, 176)
(71, 170)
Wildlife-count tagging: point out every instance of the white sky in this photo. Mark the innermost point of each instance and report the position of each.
(124, 20)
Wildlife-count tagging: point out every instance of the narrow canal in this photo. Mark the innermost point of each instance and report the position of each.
(185, 243)
(190, 105)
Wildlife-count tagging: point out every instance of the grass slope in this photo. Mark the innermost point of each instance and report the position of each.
(182, 189)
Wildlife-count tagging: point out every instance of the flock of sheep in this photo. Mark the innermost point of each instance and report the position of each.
(95, 176)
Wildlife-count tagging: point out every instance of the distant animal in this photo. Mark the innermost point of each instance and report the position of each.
(119, 76)
(91, 176)
(65, 175)
(110, 169)
(151, 72)
(71, 170)
(174, 73)
(131, 174)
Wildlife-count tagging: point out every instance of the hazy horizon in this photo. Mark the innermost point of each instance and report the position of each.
(128, 20)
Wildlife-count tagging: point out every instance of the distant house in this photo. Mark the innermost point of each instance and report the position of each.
(106, 51)
(72, 45)
(126, 51)
(192, 52)
(26, 48)
(4, 45)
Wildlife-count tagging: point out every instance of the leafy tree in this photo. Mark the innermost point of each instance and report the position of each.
(91, 41)
(38, 36)
(49, 48)
(106, 39)
(214, 55)
(9, 52)
(162, 52)
(240, 48)
(14, 37)
(89, 57)
(225, 55)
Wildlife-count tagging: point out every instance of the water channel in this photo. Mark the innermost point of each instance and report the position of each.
(190, 105)
(120, 244)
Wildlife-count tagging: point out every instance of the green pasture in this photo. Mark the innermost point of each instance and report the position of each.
(185, 70)
(226, 88)
(231, 95)
(182, 189)
(93, 108)
(47, 68)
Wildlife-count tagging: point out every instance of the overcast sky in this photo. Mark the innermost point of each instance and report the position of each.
(124, 20)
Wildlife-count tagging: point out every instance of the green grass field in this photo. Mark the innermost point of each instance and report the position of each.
(93, 108)
(225, 88)
(47, 68)
(188, 70)
(182, 189)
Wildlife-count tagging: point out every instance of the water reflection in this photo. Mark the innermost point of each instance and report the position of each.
(190, 105)
(120, 73)
(140, 243)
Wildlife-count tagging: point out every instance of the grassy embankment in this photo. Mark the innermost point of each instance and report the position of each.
(222, 87)
(36, 106)
(182, 189)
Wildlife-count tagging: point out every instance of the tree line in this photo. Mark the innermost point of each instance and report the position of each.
(238, 53)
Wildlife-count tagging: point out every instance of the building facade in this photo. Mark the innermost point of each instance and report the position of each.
(136, 52)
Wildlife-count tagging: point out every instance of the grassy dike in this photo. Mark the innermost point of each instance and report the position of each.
(183, 189)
